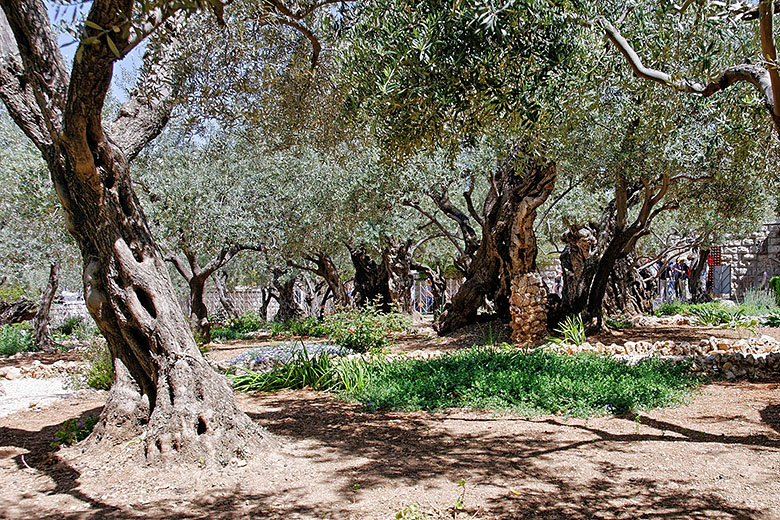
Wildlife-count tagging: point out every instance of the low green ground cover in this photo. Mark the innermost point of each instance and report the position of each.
(16, 337)
(489, 378)
(757, 308)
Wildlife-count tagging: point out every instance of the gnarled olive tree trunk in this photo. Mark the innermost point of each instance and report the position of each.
(289, 308)
(507, 252)
(397, 262)
(627, 292)
(43, 316)
(164, 389)
(698, 290)
(371, 284)
(327, 270)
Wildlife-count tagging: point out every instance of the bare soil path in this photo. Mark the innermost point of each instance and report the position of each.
(715, 458)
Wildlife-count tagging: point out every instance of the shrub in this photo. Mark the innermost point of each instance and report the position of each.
(74, 430)
(758, 302)
(16, 337)
(237, 327)
(308, 326)
(76, 327)
(364, 328)
(773, 320)
(774, 284)
(100, 368)
(220, 333)
(536, 382)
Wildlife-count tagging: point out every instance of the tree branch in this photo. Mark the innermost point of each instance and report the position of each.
(753, 74)
(438, 224)
(768, 50)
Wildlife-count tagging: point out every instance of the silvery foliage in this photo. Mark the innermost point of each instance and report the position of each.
(32, 229)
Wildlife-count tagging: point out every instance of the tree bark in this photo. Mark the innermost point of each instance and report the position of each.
(17, 311)
(164, 389)
(627, 293)
(199, 311)
(285, 295)
(699, 293)
(371, 284)
(42, 317)
(508, 246)
(220, 282)
(326, 269)
(397, 263)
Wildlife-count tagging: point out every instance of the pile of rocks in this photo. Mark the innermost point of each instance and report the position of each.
(42, 370)
(528, 308)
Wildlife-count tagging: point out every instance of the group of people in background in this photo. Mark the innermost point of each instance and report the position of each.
(672, 280)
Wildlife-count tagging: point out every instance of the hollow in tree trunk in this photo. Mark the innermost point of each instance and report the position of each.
(43, 316)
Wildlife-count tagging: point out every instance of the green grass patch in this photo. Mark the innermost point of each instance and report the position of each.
(16, 337)
(536, 382)
(488, 378)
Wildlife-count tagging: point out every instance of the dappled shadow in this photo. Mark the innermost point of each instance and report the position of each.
(42, 458)
(221, 504)
(394, 448)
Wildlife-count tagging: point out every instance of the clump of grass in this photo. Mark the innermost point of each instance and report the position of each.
(487, 378)
(300, 371)
(687, 309)
(571, 331)
(15, 338)
(536, 382)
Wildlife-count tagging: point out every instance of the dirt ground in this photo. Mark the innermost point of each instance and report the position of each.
(715, 458)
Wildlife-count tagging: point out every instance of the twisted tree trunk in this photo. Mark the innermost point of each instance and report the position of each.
(220, 282)
(164, 389)
(699, 293)
(371, 283)
(627, 292)
(289, 309)
(43, 316)
(508, 247)
(397, 262)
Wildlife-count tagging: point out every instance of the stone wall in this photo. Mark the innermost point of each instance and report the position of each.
(751, 257)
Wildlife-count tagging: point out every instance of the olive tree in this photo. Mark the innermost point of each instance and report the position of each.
(164, 387)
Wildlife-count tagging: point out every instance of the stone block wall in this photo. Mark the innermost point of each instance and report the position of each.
(751, 257)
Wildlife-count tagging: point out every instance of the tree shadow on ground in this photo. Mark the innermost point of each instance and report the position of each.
(391, 449)
(405, 449)
(43, 460)
(770, 415)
